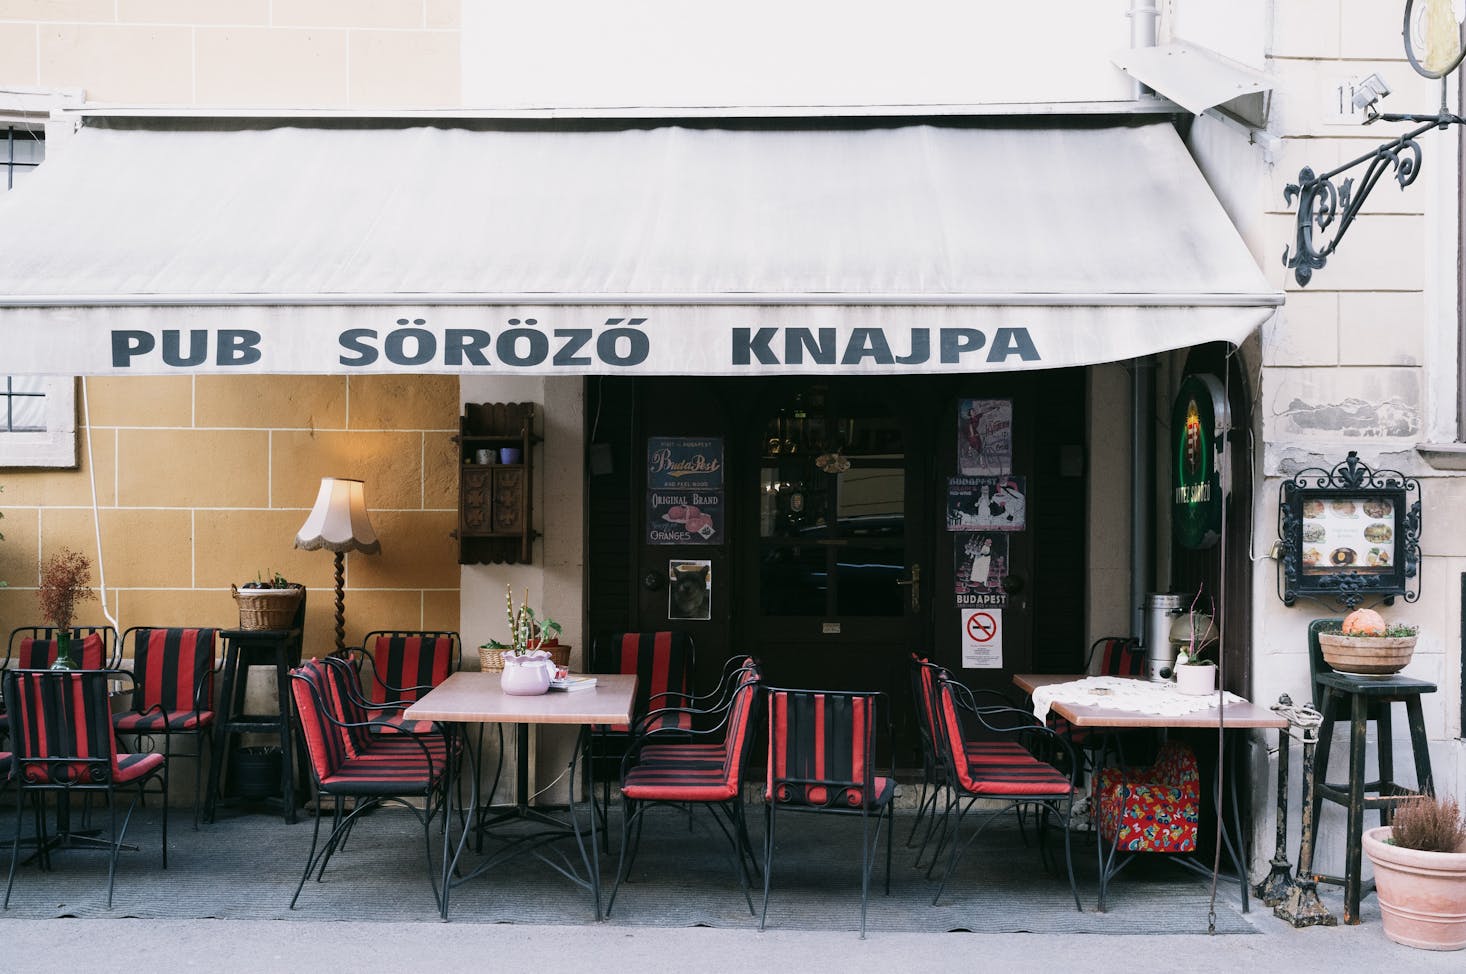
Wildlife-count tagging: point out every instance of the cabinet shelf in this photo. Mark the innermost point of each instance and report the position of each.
(495, 513)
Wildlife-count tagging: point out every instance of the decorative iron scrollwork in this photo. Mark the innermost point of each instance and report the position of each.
(1349, 533)
(1320, 202)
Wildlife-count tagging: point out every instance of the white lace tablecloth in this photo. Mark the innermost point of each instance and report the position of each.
(1120, 693)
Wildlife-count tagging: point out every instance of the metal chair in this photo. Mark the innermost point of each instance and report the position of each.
(347, 761)
(404, 664)
(173, 671)
(63, 742)
(822, 759)
(692, 778)
(1007, 777)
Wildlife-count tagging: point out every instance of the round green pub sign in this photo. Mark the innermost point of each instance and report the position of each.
(1199, 424)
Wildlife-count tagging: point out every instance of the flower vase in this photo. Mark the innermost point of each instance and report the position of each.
(527, 674)
(63, 652)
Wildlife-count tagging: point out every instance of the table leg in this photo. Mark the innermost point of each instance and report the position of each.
(1384, 743)
(521, 767)
(457, 739)
(1354, 853)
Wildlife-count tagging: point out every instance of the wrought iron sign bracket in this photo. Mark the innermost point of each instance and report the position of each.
(1349, 533)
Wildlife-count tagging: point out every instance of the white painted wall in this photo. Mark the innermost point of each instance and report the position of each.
(585, 53)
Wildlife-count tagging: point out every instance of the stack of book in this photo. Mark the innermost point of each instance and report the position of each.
(572, 682)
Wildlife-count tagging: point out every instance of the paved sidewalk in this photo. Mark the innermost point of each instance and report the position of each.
(39, 946)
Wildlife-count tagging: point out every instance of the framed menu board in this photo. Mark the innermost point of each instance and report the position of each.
(1349, 533)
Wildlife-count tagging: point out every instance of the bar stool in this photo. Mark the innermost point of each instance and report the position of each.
(243, 648)
(1361, 700)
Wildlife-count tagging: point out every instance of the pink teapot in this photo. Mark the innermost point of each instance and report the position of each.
(527, 674)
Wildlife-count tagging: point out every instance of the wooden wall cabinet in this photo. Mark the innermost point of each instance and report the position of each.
(495, 512)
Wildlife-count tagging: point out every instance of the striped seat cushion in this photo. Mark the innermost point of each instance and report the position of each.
(131, 767)
(381, 775)
(997, 752)
(392, 722)
(685, 755)
(1032, 777)
(672, 782)
(170, 720)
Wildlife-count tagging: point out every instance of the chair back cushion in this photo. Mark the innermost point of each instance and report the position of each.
(1119, 656)
(61, 726)
(325, 743)
(174, 668)
(406, 665)
(662, 662)
(820, 748)
(39, 654)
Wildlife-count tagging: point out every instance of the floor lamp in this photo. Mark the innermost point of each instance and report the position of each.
(339, 523)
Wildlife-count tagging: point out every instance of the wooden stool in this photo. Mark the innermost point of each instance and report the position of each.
(244, 648)
(1367, 698)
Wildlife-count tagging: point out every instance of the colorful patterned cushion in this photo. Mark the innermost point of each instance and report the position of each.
(1153, 809)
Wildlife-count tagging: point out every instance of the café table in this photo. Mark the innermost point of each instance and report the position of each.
(466, 699)
(1236, 715)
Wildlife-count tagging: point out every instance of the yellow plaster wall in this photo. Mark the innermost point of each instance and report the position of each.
(203, 481)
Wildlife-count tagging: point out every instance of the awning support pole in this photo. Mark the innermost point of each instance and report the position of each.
(1142, 487)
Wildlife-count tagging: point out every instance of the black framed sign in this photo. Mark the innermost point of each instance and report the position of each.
(1349, 533)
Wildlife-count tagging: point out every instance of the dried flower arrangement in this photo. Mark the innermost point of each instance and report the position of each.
(1429, 824)
(66, 579)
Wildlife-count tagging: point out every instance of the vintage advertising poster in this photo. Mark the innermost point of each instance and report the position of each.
(981, 563)
(684, 517)
(984, 437)
(982, 639)
(682, 462)
(1357, 534)
(689, 589)
(987, 503)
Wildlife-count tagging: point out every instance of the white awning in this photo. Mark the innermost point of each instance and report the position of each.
(1192, 76)
(145, 248)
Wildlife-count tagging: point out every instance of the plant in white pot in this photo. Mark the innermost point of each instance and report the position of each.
(1420, 874)
(1197, 633)
(528, 668)
(1366, 645)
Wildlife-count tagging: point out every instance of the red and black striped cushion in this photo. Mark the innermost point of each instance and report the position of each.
(1121, 657)
(697, 777)
(63, 726)
(174, 669)
(39, 654)
(995, 770)
(662, 662)
(819, 751)
(405, 666)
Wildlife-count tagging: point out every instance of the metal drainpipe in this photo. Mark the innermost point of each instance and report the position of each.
(1142, 488)
(1143, 19)
(1143, 16)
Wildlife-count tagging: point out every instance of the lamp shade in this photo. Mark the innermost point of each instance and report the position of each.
(339, 520)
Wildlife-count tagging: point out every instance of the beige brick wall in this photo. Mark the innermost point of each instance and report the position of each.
(203, 481)
(256, 53)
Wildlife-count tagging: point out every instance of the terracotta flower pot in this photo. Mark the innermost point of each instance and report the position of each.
(1422, 895)
(1366, 655)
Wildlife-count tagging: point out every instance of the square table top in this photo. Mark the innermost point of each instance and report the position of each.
(1239, 716)
(469, 697)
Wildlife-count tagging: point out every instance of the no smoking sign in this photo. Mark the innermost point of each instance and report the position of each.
(982, 639)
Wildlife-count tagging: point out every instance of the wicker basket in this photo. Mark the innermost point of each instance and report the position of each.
(267, 608)
(492, 660)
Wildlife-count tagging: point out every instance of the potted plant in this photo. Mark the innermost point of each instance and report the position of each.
(1420, 873)
(1196, 631)
(1366, 644)
(527, 664)
(65, 580)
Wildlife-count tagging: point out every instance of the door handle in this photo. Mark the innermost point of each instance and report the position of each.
(915, 584)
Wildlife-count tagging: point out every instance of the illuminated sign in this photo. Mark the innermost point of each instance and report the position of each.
(1199, 424)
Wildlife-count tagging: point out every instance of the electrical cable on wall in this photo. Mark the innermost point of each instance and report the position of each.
(86, 422)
